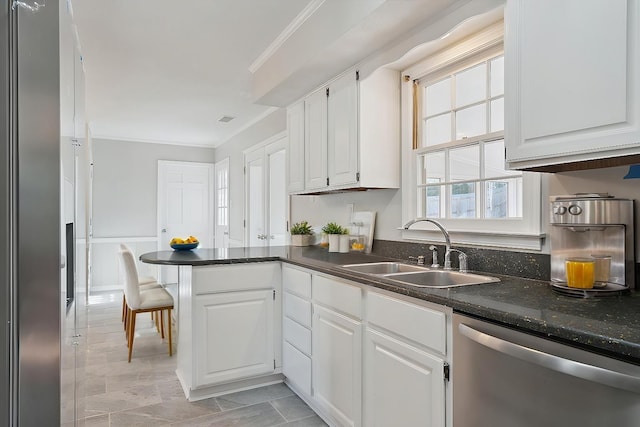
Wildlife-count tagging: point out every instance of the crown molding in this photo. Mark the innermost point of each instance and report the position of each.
(293, 26)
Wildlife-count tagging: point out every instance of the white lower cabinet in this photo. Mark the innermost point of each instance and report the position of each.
(296, 366)
(403, 385)
(229, 327)
(248, 350)
(296, 329)
(337, 356)
(367, 357)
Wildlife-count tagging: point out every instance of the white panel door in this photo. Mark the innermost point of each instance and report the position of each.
(221, 171)
(266, 194)
(337, 355)
(256, 200)
(185, 206)
(403, 386)
(276, 156)
(233, 336)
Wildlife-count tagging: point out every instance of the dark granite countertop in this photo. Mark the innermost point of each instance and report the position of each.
(609, 325)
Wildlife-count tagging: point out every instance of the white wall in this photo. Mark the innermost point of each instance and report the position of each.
(271, 125)
(125, 189)
(319, 210)
(609, 180)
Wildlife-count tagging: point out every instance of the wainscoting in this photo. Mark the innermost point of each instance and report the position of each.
(106, 273)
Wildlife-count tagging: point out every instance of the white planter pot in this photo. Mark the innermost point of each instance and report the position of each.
(300, 239)
(344, 243)
(334, 242)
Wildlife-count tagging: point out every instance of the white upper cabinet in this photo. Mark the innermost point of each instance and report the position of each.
(295, 153)
(342, 137)
(572, 73)
(351, 134)
(315, 141)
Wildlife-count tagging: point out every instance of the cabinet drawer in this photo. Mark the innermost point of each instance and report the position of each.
(297, 335)
(296, 367)
(297, 309)
(231, 278)
(338, 295)
(296, 281)
(420, 324)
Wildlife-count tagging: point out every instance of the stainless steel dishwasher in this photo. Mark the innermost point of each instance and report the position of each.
(506, 378)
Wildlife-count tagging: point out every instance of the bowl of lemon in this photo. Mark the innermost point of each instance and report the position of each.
(180, 244)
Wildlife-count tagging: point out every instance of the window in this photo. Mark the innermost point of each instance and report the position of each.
(458, 171)
(460, 162)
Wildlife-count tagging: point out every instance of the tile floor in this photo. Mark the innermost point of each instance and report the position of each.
(146, 392)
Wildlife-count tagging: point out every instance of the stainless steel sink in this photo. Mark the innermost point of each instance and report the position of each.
(440, 279)
(382, 268)
(415, 275)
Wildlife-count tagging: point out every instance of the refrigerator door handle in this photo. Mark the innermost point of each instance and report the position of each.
(550, 361)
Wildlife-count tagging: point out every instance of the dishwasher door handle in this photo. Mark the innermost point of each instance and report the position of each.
(556, 363)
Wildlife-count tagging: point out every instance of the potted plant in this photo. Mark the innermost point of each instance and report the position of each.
(301, 233)
(334, 231)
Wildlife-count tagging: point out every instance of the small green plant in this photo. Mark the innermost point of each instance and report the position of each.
(333, 228)
(301, 228)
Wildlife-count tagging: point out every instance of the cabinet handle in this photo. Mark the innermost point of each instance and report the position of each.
(555, 363)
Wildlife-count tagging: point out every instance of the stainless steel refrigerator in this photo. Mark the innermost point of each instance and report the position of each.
(30, 288)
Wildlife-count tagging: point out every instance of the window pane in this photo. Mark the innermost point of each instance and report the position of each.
(434, 201)
(471, 121)
(433, 171)
(497, 76)
(437, 97)
(494, 160)
(463, 200)
(464, 163)
(503, 198)
(471, 85)
(497, 115)
(438, 130)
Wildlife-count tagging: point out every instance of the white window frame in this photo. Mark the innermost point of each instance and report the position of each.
(518, 233)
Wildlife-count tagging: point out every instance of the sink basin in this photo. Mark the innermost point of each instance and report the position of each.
(440, 278)
(383, 268)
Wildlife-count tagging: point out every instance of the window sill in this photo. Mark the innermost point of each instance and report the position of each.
(526, 242)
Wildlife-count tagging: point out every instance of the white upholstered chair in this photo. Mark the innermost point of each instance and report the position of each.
(145, 282)
(155, 300)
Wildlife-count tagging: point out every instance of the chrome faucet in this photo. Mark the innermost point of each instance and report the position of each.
(447, 253)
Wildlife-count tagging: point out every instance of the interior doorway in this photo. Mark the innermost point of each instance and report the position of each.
(266, 193)
(185, 206)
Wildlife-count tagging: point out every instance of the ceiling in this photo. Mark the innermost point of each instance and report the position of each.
(166, 71)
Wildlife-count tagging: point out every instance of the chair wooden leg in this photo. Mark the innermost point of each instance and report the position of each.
(161, 314)
(132, 331)
(169, 332)
(124, 306)
(127, 324)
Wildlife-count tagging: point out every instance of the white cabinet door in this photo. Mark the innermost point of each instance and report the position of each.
(342, 145)
(337, 355)
(296, 366)
(233, 336)
(572, 74)
(295, 153)
(403, 386)
(315, 141)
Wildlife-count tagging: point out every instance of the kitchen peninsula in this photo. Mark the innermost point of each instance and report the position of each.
(232, 305)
